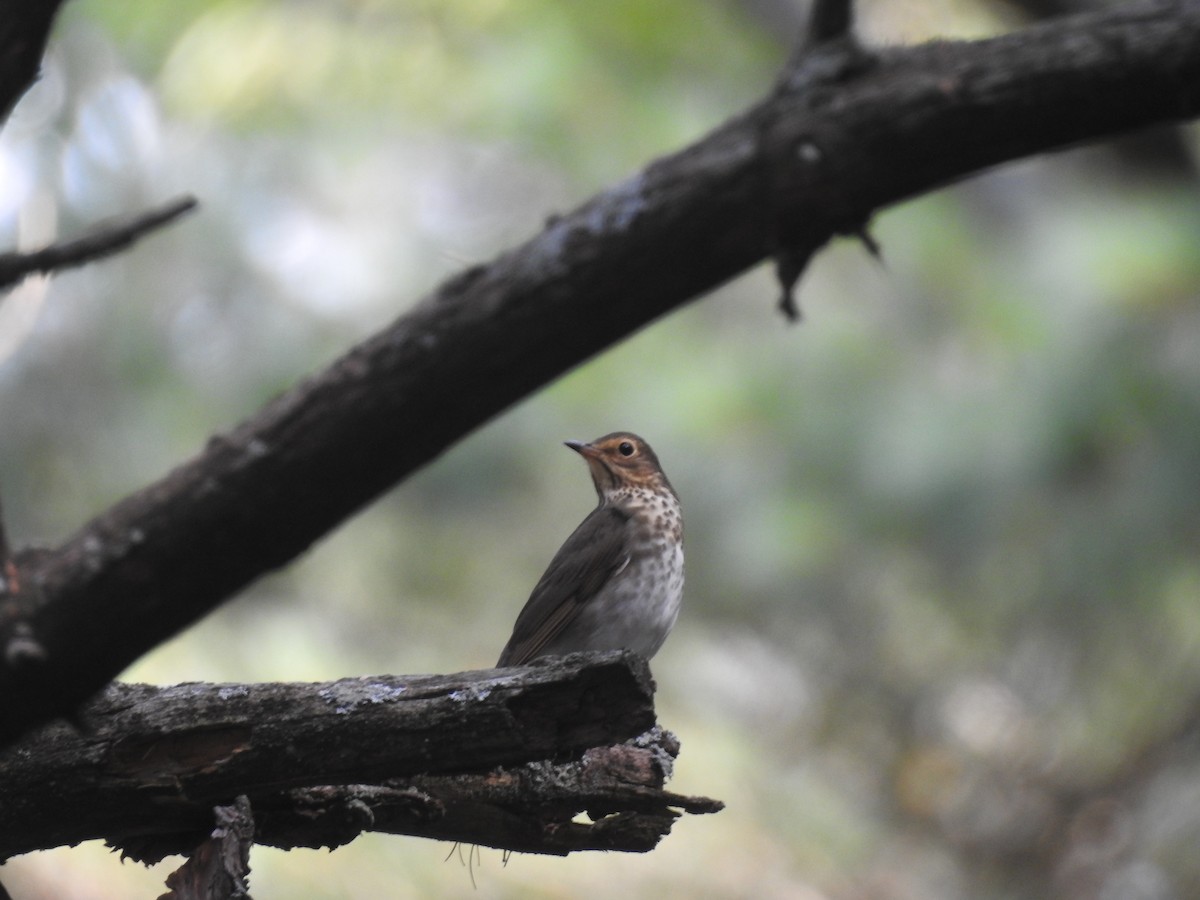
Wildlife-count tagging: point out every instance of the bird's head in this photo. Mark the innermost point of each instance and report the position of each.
(619, 462)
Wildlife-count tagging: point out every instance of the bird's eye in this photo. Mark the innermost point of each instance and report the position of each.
(625, 448)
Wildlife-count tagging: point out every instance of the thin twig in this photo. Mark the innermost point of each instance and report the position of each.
(104, 241)
(829, 19)
(827, 54)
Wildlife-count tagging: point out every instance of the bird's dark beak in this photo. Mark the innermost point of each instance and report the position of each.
(583, 449)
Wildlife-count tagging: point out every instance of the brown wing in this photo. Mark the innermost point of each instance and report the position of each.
(593, 553)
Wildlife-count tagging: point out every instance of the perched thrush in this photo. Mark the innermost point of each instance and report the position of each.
(617, 581)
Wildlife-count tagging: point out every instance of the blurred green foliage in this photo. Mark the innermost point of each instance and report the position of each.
(943, 565)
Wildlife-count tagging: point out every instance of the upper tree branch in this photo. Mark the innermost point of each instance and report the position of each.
(505, 758)
(829, 147)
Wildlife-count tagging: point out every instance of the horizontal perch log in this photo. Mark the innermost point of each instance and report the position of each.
(501, 757)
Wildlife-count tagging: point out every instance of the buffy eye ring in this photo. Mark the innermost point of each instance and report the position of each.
(625, 448)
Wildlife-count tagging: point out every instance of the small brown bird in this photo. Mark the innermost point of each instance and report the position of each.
(618, 580)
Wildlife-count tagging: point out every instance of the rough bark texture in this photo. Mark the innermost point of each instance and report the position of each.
(444, 756)
(844, 133)
(219, 867)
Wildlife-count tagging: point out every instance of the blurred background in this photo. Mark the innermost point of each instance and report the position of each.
(941, 635)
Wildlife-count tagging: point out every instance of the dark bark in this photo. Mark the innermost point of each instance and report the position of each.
(845, 133)
(24, 29)
(828, 20)
(218, 868)
(502, 757)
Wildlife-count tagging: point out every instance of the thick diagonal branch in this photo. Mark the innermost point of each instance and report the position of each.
(814, 159)
(503, 757)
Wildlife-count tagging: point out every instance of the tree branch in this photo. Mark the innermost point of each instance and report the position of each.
(24, 29)
(829, 20)
(816, 158)
(218, 868)
(502, 757)
(104, 240)
(18, 646)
